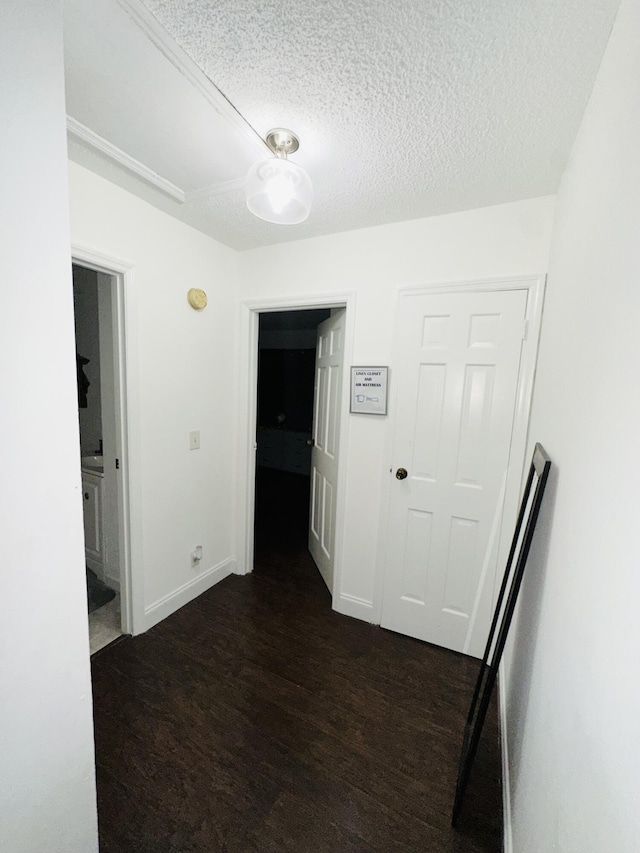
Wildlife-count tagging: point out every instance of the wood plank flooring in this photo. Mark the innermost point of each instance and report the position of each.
(257, 720)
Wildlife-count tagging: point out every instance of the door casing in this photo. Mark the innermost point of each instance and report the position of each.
(248, 367)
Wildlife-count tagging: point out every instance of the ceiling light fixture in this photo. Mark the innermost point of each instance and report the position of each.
(277, 190)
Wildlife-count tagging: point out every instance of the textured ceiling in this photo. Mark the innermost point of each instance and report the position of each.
(404, 108)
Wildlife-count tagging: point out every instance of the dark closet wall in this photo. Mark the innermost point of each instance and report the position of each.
(285, 388)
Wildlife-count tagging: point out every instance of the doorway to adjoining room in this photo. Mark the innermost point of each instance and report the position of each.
(95, 330)
(284, 435)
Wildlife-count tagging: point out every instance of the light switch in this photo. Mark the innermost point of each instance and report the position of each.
(194, 439)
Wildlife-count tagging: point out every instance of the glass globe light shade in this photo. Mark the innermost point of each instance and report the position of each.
(279, 191)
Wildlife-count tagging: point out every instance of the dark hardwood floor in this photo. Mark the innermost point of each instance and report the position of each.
(258, 720)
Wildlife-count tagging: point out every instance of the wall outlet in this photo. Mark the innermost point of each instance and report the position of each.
(194, 439)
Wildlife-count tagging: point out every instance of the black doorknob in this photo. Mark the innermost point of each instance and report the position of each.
(401, 474)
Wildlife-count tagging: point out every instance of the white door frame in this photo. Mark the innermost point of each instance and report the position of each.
(535, 287)
(250, 310)
(128, 431)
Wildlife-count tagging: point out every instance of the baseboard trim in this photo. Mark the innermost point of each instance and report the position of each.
(167, 605)
(114, 583)
(350, 605)
(507, 836)
(96, 566)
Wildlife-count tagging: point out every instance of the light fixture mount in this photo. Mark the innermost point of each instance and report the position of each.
(282, 141)
(276, 189)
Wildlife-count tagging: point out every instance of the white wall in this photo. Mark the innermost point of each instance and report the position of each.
(506, 240)
(47, 791)
(181, 367)
(574, 691)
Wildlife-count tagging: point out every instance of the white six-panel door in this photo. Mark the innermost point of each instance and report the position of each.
(324, 455)
(457, 377)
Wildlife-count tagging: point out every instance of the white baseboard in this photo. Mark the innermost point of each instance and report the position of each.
(96, 566)
(167, 605)
(358, 608)
(113, 583)
(507, 838)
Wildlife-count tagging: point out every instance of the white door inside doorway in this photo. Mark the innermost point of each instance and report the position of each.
(324, 455)
(457, 376)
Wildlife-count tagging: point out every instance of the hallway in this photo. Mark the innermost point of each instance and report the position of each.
(257, 719)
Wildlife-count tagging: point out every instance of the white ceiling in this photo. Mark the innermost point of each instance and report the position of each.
(404, 108)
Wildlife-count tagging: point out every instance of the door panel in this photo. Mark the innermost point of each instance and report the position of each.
(457, 373)
(324, 456)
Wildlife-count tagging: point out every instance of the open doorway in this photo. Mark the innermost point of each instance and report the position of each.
(100, 407)
(284, 437)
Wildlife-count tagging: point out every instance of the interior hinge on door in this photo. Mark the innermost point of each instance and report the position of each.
(117, 464)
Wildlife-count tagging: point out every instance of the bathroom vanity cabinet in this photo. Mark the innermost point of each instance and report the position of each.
(92, 502)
